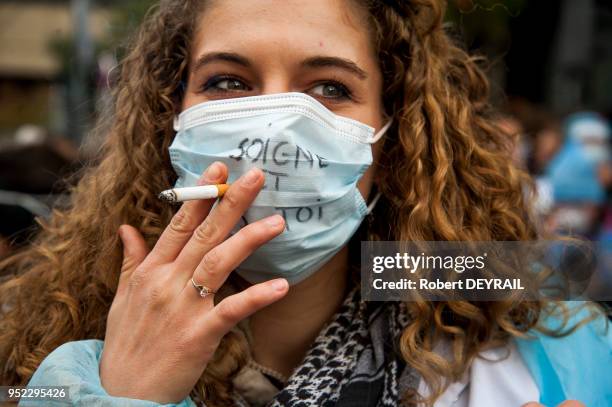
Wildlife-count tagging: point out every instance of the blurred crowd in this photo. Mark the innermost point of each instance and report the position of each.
(570, 161)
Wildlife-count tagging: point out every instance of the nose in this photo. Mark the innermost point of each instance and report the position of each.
(276, 81)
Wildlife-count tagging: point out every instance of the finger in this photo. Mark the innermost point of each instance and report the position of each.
(135, 250)
(217, 225)
(222, 259)
(188, 217)
(233, 309)
(532, 404)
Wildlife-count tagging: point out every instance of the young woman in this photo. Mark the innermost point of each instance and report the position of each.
(202, 83)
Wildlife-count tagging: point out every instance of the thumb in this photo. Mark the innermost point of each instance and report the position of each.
(134, 248)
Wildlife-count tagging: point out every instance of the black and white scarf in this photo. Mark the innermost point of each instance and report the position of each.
(354, 361)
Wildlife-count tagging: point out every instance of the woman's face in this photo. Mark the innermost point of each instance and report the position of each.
(319, 47)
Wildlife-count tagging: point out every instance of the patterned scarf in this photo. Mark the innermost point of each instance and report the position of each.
(354, 361)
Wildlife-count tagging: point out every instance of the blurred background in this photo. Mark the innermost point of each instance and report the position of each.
(550, 65)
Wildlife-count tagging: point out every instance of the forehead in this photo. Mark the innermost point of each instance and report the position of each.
(288, 27)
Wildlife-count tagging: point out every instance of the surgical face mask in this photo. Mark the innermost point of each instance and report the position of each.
(573, 220)
(312, 160)
(597, 153)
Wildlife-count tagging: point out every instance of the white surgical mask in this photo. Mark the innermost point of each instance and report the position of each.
(312, 160)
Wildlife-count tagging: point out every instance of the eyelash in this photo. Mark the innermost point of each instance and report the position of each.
(208, 86)
(214, 80)
(348, 95)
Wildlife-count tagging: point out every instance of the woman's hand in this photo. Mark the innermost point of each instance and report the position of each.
(160, 333)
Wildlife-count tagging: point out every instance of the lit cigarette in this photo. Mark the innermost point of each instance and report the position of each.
(189, 193)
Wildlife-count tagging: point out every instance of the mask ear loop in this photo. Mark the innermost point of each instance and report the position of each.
(372, 204)
(373, 140)
(381, 132)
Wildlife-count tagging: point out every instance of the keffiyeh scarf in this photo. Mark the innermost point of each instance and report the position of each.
(354, 361)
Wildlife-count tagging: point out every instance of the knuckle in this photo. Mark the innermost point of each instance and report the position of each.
(137, 277)
(229, 311)
(157, 295)
(181, 222)
(211, 261)
(231, 200)
(250, 237)
(129, 263)
(206, 231)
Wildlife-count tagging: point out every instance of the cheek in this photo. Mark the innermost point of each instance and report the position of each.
(190, 100)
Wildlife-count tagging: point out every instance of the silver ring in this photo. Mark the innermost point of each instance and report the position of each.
(202, 289)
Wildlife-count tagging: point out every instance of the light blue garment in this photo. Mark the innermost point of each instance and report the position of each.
(312, 159)
(573, 176)
(573, 172)
(573, 367)
(578, 366)
(76, 365)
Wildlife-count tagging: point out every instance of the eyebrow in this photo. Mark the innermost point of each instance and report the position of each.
(221, 56)
(335, 62)
(312, 62)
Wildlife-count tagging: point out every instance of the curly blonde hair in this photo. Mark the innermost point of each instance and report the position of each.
(445, 174)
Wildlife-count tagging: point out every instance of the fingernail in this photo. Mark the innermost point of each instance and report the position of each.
(274, 220)
(251, 177)
(279, 284)
(213, 172)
